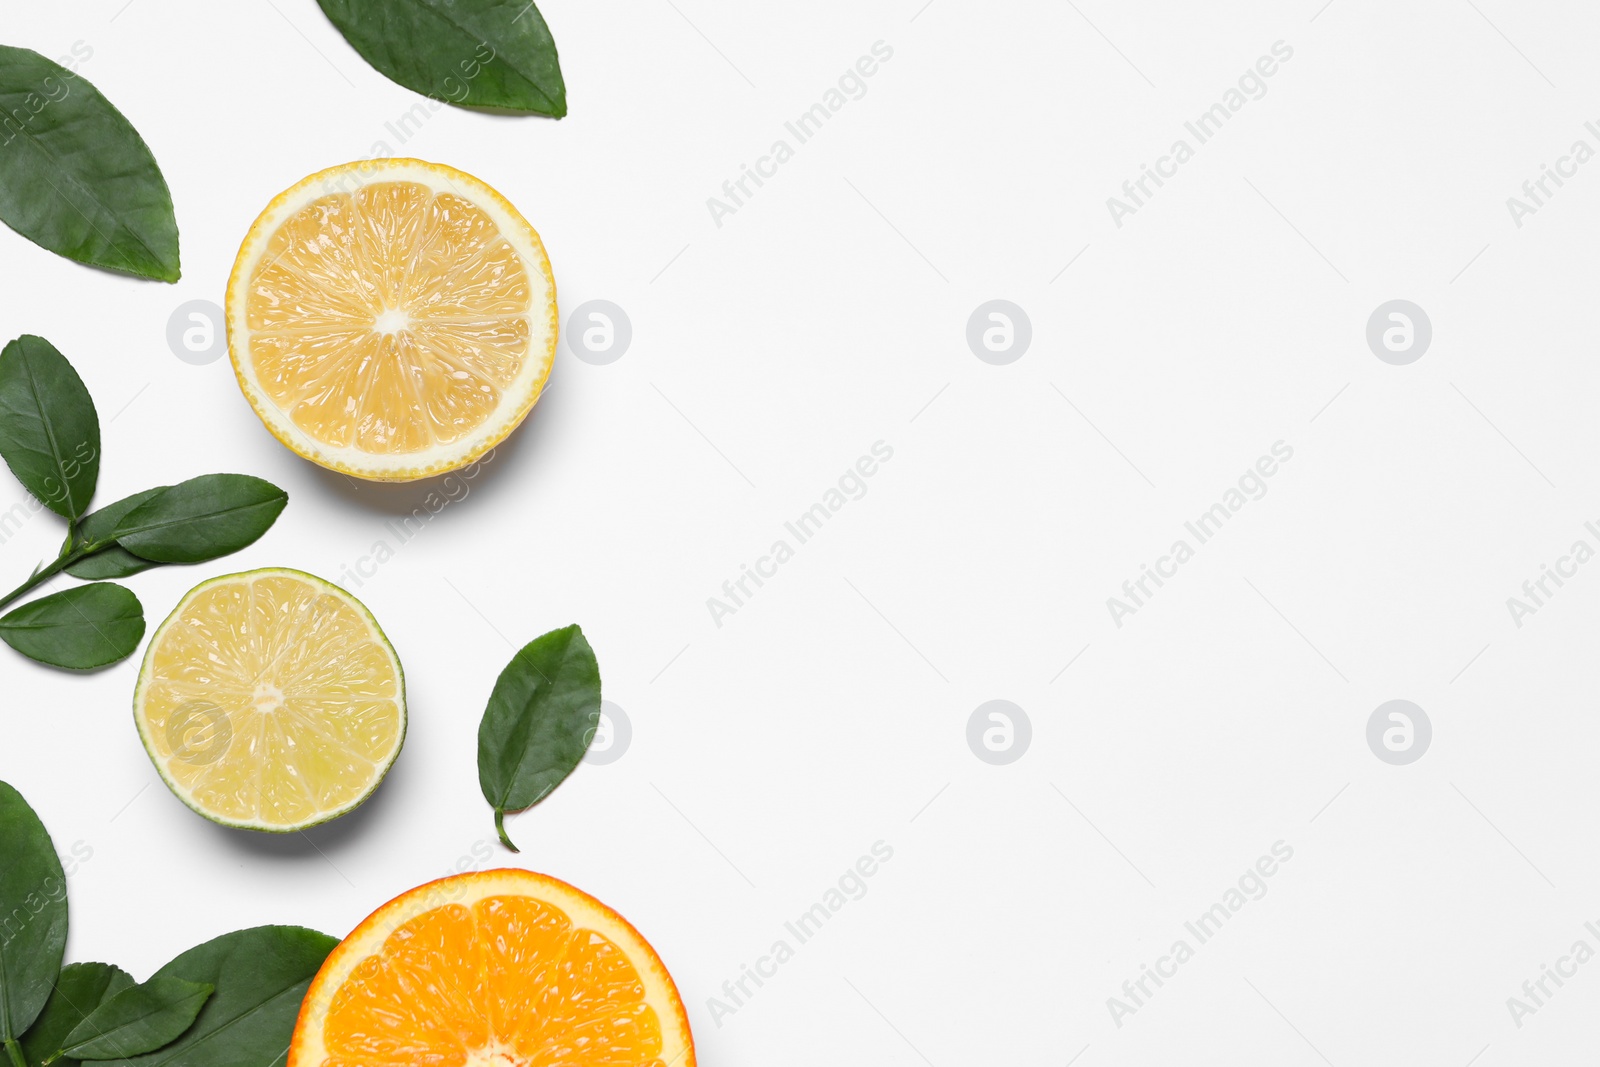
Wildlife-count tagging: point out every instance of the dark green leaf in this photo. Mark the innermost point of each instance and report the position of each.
(33, 915)
(260, 975)
(138, 1020)
(200, 519)
(112, 561)
(80, 629)
(80, 989)
(477, 53)
(49, 432)
(541, 717)
(75, 176)
(101, 523)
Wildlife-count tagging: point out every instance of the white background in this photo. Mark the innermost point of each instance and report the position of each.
(830, 712)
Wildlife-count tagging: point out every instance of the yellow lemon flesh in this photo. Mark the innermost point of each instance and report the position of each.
(391, 319)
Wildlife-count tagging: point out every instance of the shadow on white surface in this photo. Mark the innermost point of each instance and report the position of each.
(432, 496)
(320, 844)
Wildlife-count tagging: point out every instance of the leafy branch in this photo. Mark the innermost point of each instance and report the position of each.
(227, 1002)
(50, 438)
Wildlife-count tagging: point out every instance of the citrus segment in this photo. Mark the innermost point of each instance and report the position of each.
(270, 700)
(391, 319)
(499, 969)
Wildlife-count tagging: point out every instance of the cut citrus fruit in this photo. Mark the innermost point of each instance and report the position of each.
(391, 319)
(270, 700)
(500, 968)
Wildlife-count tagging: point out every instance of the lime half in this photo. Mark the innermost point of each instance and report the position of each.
(271, 700)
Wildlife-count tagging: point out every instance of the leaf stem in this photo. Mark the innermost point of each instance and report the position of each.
(42, 575)
(14, 1050)
(500, 827)
(69, 555)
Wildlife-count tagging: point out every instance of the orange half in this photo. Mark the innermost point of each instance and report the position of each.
(502, 968)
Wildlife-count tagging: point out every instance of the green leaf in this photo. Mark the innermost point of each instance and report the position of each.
(476, 53)
(75, 176)
(33, 915)
(200, 519)
(112, 561)
(541, 717)
(80, 988)
(80, 629)
(260, 975)
(137, 1020)
(101, 523)
(49, 432)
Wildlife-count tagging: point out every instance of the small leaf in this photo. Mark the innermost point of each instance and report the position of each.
(261, 976)
(49, 432)
(540, 720)
(101, 523)
(137, 1020)
(80, 989)
(76, 177)
(80, 629)
(200, 519)
(476, 53)
(33, 915)
(112, 561)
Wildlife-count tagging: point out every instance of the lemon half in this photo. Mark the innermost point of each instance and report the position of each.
(270, 700)
(391, 319)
